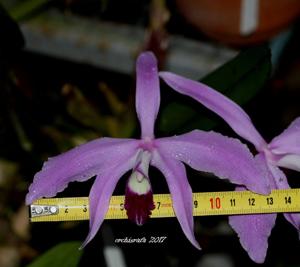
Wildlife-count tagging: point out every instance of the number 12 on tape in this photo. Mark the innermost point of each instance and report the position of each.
(204, 204)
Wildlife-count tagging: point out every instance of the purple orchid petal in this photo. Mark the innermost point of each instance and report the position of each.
(279, 178)
(181, 193)
(289, 141)
(253, 232)
(147, 92)
(79, 164)
(282, 183)
(212, 152)
(232, 113)
(101, 193)
(287, 147)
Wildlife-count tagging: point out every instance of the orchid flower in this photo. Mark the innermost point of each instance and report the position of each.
(110, 158)
(282, 151)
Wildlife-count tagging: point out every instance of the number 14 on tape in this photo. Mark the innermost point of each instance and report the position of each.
(204, 204)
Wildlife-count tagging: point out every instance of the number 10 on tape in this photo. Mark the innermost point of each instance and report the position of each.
(204, 204)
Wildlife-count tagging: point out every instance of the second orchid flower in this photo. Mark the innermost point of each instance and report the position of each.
(282, 151)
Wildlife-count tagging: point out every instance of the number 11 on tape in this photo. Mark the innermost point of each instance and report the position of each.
(204, 204)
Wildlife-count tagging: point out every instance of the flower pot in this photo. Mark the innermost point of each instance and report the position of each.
(240, 22)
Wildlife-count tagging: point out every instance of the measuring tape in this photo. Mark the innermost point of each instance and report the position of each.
(204, 204)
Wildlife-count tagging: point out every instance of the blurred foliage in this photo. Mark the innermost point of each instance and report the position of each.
(240, 79)
(26, 8)
(119, 124)
(63, 255)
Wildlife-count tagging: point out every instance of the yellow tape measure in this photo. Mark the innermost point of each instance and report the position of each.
(212, 203)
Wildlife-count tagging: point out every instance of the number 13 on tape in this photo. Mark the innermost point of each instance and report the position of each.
(204, 204)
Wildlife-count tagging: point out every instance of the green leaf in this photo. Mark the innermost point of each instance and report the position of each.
(180, 118)
(240, 79)
(66, 254)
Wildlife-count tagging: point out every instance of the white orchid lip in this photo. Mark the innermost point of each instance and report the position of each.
(138, 195)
